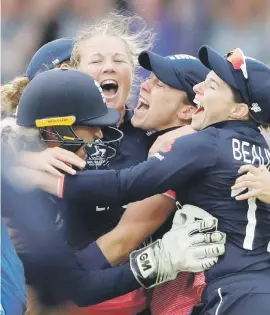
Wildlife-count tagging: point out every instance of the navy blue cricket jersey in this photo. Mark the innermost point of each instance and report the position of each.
(201, 168)
(49, 263)
(84, 226)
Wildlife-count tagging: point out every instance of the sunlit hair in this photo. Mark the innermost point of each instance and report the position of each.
(131, 29)
(11, 93)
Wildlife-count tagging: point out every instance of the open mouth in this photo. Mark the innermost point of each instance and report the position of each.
(109, 87)
(200, 108)
(143, 105)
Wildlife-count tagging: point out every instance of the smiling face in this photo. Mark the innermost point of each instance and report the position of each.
(161, 107)
(215, 101)
(108, 61)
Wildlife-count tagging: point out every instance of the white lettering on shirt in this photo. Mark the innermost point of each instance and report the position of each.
(250, 153)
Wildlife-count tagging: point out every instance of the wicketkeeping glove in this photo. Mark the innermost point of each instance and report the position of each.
(193, 244)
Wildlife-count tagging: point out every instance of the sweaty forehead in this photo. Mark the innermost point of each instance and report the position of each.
(167, 88)
(104, 45)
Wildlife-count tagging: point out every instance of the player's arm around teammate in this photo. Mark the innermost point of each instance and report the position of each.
(190, 150)
(198, 252)
(256, 180)
(47, 114)
(139, 221)
(114, 68)
(143, 218)
(168, 139)
(135, 225)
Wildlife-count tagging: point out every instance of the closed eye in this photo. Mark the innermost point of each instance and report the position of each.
(160, 84)
(119, 61)
(210, 84)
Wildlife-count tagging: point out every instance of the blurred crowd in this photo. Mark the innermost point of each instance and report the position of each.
(181, 25)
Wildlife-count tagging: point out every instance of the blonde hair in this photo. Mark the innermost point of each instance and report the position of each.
(132, 29)
(11, 93)
(119, 25)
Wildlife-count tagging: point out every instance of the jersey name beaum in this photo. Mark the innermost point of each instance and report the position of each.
(250, 153)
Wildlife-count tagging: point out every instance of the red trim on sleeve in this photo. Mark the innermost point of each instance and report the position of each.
(171, 194)
(60, 188)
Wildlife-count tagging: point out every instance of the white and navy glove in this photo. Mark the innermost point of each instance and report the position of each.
(193, 244)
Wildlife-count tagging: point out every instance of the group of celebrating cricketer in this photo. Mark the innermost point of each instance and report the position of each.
(160, 210)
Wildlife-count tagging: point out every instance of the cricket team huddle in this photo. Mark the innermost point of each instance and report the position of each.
(160, 210)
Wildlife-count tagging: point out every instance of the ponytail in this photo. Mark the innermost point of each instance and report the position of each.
(11, 93)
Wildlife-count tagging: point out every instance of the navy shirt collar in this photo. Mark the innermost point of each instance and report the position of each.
(160, 132)
(152, 137)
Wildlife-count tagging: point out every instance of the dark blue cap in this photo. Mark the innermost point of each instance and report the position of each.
(258, 81)
(181, 72)
(50, 56)
(65, 92)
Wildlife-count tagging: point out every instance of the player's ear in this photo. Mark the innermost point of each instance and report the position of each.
(65, 65)
(185, 112)
(239, 111)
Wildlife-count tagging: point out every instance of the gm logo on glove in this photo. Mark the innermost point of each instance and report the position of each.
(145, 262)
